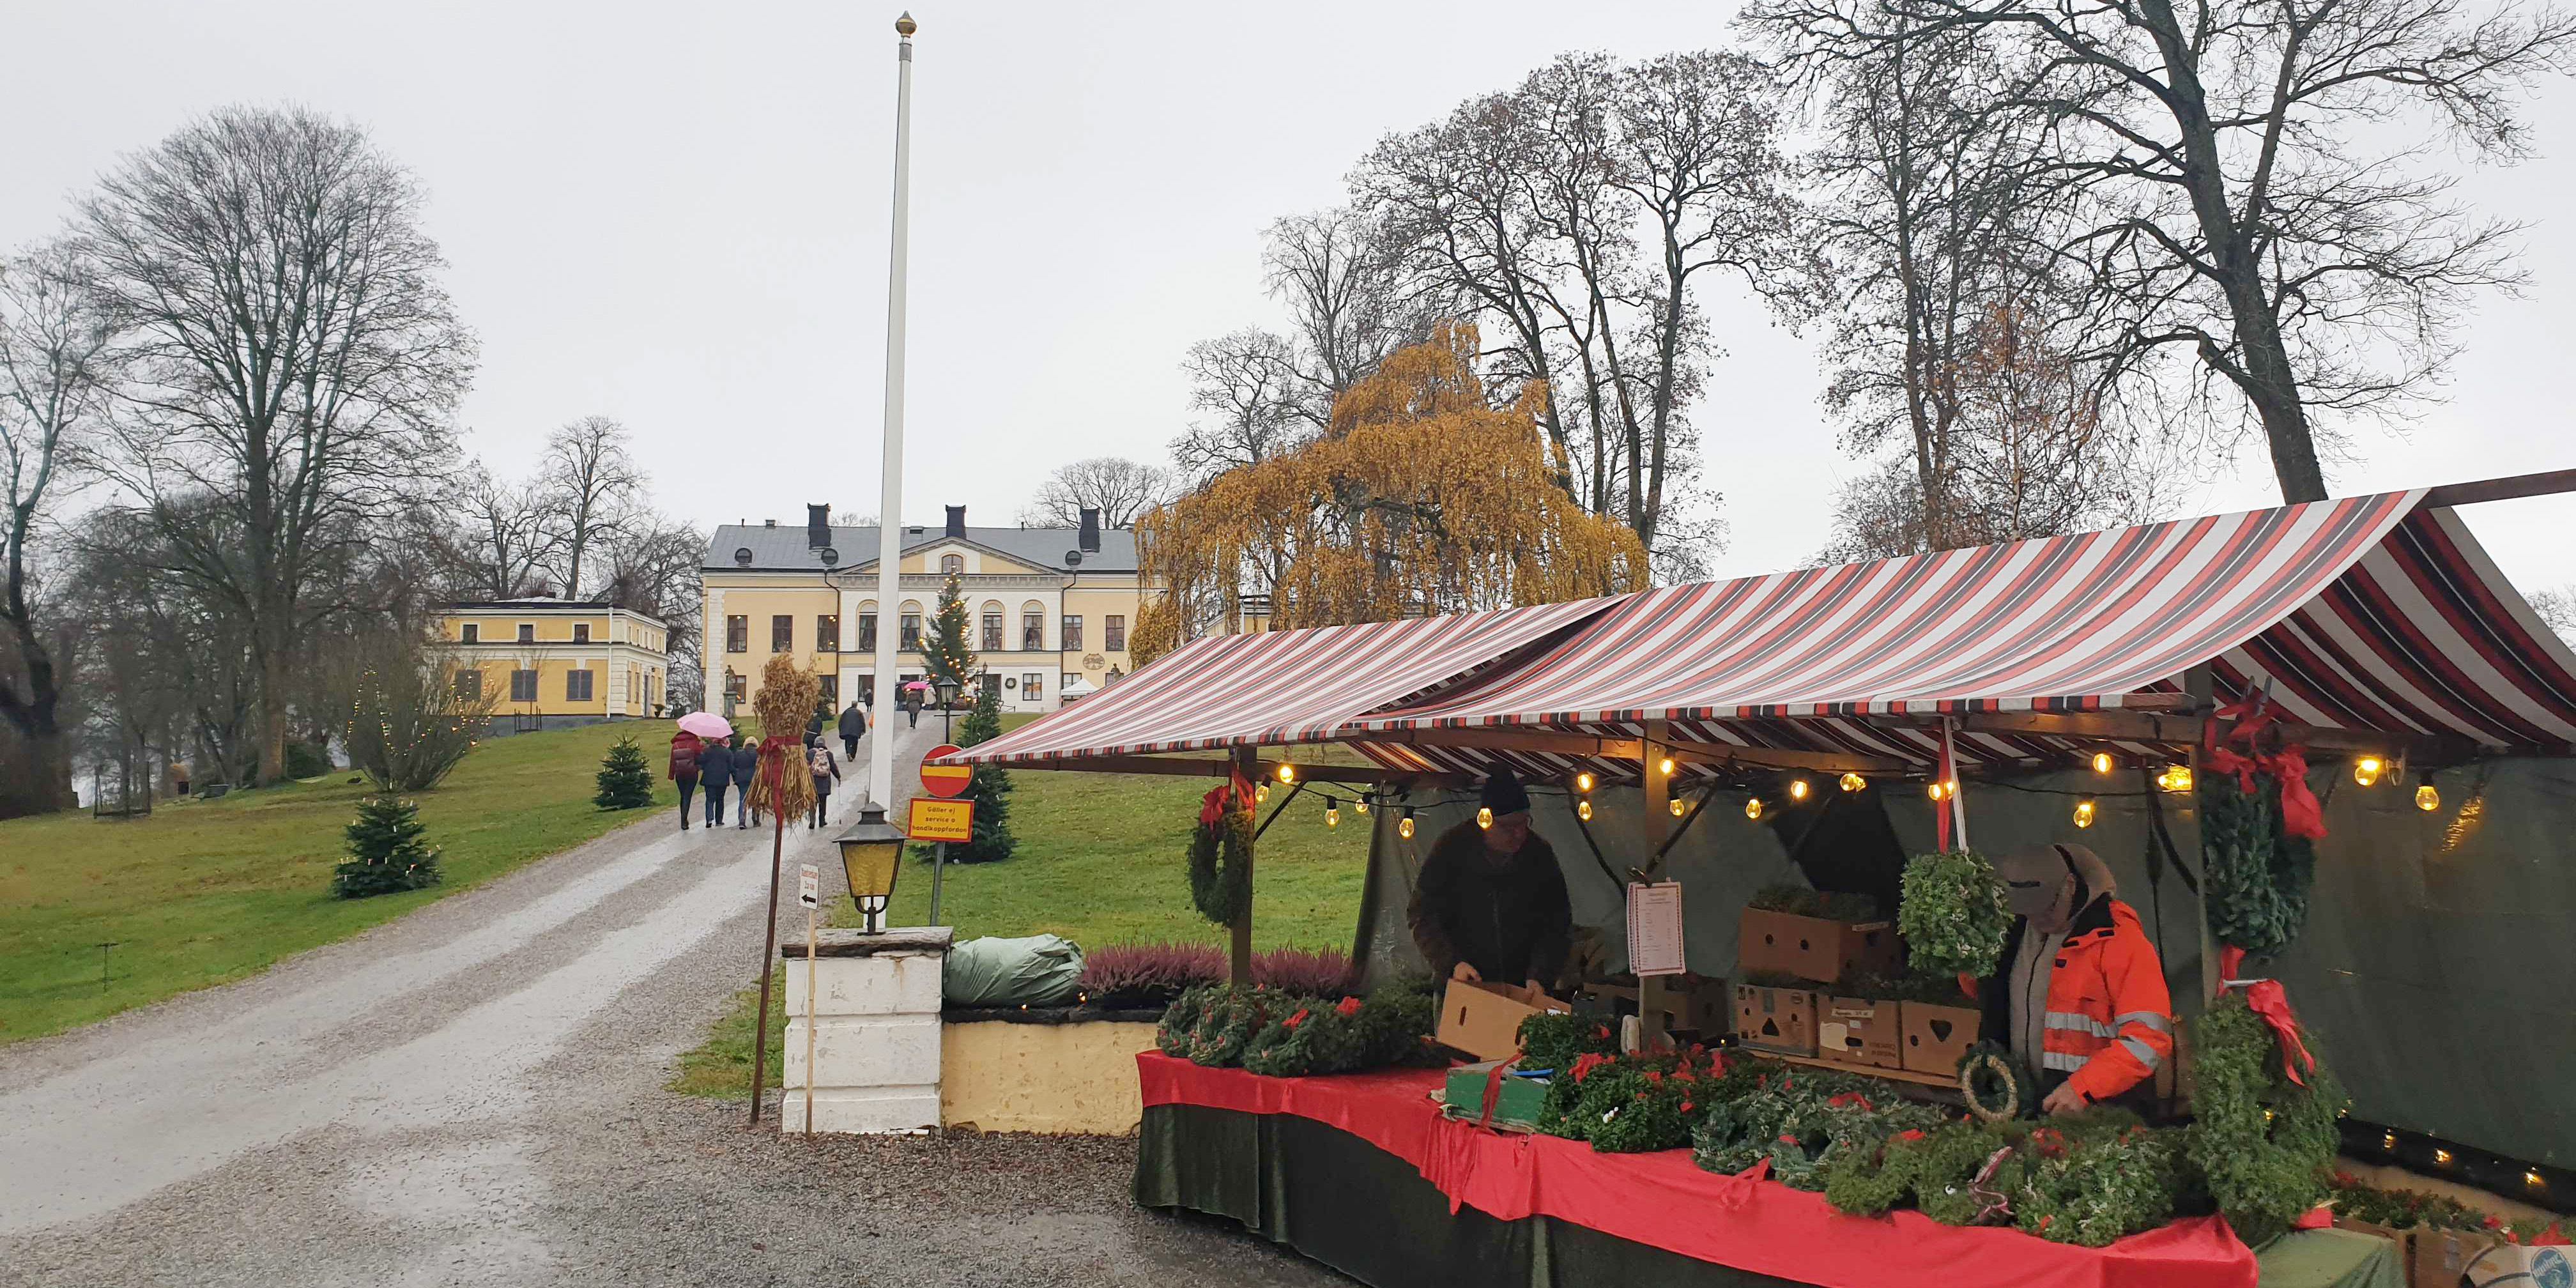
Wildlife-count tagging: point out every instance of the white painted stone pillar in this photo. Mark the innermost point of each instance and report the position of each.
(876, 1030)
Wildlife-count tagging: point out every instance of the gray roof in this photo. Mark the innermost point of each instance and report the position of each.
(784, 549)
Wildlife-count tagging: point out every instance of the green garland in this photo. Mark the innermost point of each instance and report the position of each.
(2070, 1189)
(2258, 876)
(2265, 1143)
(1998, 1087)
(1221, 867)
(1952, 914)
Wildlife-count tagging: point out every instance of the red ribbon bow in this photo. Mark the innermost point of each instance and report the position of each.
(2266, 998)
(2301, 816)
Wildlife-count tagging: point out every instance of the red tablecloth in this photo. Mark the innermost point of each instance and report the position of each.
(1666, 1201)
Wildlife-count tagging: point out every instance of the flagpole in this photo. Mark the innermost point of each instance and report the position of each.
(890, 503)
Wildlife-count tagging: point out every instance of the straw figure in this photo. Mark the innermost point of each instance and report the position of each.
(787, 696)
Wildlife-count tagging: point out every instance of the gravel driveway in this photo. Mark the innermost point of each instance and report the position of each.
(472, 1095)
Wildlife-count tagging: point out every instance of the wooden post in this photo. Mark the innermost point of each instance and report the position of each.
(1659, 794)
(1239, 961)
(2202, 686)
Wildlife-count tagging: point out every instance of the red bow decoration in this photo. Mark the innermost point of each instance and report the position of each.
(2266, 998)
(2301, 816)
(1212, 807)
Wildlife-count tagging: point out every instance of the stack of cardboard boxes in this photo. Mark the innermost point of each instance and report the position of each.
(1826, 1023)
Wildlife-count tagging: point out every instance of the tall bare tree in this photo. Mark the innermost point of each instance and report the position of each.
(654, 563)
(290, 359)
(1349, 300)
(508, 535)
(2245, 189)
(1121, 489)
(53, 344)
(1248, 388)
(587, 483)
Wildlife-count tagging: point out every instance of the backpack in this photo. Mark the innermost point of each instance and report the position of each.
(821, 761)
(684, 758)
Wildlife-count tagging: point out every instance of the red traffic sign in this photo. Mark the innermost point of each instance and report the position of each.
(944, 780)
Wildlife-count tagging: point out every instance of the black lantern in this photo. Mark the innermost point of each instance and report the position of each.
(871, 858)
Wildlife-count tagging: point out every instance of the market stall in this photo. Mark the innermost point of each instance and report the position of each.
(2196, 661)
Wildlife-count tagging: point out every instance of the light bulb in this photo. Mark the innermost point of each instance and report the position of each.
(2101, 762)
(1332, 812)
(1287, 773)
(2442, 1156)
(2389, 1141)
(1933, 790)
(2366, 770)
(1261, 793)
(1753, 807)
(1666, 765)
(1852, 782)
(2426, 799)
(2176, 778)
(1404, 825)
(1676, 807)
(1362, 803)
(2084, 813)
(2532, 1178)
(1484, 816)
(1583, 810)
(1797, 789)
(1583, 781)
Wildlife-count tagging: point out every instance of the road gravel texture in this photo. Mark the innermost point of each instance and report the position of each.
(472, 1095)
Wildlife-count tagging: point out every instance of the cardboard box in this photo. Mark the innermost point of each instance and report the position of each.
(1484, 1020)
(1517, 1100)
(1861, 1031)
(1706, 1008)
(1935, 1035)
(1812, 947)
(2442, 1256)
(1781, 1020)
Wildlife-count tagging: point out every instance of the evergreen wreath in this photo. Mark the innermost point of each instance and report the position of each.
(1997, 1086)
(1313, 1037)
(2266, 1143)
(1553, 1039)
(1234, 1016)
(2258, 875)
(1181, 1020)
(1952, 913)
(1221, 855)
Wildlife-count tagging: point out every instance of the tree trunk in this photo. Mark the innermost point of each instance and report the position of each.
(2269, 385)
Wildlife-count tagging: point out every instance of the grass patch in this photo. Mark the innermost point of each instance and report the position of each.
(1101, 859)
(205, 892)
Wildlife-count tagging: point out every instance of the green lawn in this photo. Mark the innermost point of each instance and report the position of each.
(1101, 859)
(203, 892)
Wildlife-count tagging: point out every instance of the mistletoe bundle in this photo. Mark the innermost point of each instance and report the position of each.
(2258, 873)
(1221, 854)
(2264, 1128)
(1952, 915)
(784, 788)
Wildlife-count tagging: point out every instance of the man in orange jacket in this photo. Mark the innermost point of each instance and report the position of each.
(2080, 993)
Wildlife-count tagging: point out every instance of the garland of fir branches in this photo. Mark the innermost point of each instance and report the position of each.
(2266, 1143)
(1221, 861)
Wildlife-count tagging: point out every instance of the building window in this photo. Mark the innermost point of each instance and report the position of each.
(867, 632)
(992, 685)
(1072, 632)
(469, 633)
(831, 691)
(527, 632)
(910, 639)
(992, 632)
(953, 565)
(577, 685)
(1032, 632)
(1113, 633)
(523, 686)
(868, 691)
(1033, 686)
(782, 633)
(737, 634)
(827, 633)
(469, 684)
(581, 632)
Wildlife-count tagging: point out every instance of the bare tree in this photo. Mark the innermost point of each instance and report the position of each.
(654, 565)
(1349, 300)
(1121, 489)
(1248, 386)
(53, 344)
(290, 359)
(587, 483)
(2237, 193)
(2557, 609)
(508, 536)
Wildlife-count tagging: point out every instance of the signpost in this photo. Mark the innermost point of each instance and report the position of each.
(950, 820)
(809, 892)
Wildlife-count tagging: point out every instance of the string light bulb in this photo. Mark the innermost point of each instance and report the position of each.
(1261, 793)
(2367, 769)
(2175, 778)
(1404, 825)
(2389, 1142)
(1287, 773)
(1583, 810)
(1583, 781)
(1797, 789)
(1852, 782)
(1675, 805)
(2084, 813)
(1362, 805)
(2101, 762)
(2442, 1157)
(2426, 799)
(1332, 812)
(1666, 765)
(1933, 790)
(1753, 807)
(2531, 1177)
(1484, 816)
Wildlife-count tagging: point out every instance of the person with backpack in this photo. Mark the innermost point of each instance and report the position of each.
(715, 772)
(746, 765)
(683, 770)
(827, 771)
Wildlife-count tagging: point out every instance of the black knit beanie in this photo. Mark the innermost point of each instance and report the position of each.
(1503, 794)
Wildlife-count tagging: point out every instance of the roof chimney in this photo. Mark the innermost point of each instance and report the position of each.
(1090, 528)
(818, 526)
(957, 521)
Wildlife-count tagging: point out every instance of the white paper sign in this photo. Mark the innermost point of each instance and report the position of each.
(1655, 928)
(809, 885)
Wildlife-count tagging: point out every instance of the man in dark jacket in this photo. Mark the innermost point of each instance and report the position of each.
(715, 774)
(746, 766)
(1491, 903)
(854, 726)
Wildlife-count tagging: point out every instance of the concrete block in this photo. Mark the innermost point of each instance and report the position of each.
(861, 1052)
(872, 1110)
(891, 984)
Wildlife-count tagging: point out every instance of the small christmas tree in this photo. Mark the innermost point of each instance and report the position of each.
(625, 780)
(991, 787)
(385, 853)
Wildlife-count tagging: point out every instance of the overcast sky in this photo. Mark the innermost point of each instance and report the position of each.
(677, 216)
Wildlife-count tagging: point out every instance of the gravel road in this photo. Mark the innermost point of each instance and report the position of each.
(473, 1095)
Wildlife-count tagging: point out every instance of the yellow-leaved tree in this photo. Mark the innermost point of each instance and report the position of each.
(1421, 497)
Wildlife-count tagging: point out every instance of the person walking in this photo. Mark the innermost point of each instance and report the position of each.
(827, 771)
(854, 726)
(715, 772)
(912, 708)
(683, 770)
(746, 766)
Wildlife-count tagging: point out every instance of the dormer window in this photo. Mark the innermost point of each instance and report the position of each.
(952, 565)
(742, 556)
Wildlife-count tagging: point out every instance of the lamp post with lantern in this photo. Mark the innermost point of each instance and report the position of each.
(871, 859)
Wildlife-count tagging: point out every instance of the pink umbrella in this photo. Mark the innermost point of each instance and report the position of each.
(918, 684)
(706, 724)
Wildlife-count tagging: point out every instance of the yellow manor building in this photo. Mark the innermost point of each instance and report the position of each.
(1047, 609)
(556, 662)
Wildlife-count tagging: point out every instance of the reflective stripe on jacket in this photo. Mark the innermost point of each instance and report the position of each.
(2110, 1018)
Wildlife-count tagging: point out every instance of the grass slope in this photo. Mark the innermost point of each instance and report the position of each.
(204, 892)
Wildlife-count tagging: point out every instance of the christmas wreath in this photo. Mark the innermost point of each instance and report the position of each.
(1554, 1039)
(1313, 1037)
(1952, 913)
(2257, 821)
(1221, 854)
(2264, 1111)
(1234, 1016)
(1997, 1086)
(1181, 1020)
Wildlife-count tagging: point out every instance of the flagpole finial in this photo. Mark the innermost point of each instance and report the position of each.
(905, 26)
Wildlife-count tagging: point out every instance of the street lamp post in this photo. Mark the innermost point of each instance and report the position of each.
(890, 505)
(946, 687)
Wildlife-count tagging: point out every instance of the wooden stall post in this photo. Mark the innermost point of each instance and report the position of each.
(1659, 793)
(1239, 962)
(2202, 687)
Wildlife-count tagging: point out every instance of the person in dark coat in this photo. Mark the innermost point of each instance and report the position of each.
(746, 766)
(912, 707)
(715, 772)
(1491, 902)
(854, 726)
(820, 762)
(685, 749)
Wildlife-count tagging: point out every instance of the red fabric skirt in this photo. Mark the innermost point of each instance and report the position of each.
(1666, 1201)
